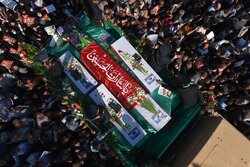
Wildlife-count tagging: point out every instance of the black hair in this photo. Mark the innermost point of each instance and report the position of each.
(3, 69)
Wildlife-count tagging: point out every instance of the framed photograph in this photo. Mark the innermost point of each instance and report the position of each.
(77, 73)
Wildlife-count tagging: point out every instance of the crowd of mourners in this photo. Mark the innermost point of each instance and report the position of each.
(206, 40)
(40, 125)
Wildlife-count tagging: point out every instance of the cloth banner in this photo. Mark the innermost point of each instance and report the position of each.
(136, 63)
(77, 73)
(105, 69)
(121, 119)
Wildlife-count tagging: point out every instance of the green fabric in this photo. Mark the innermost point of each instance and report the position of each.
(161, 141)
(113, 30)
(61, 49)
(166, 103)
(85, 21)
(96, 32)
(142, 121)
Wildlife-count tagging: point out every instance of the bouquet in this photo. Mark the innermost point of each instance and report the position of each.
(136, 64)
(140, 97)
(209, 100)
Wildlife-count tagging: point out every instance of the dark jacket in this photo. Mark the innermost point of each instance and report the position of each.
(190, 95)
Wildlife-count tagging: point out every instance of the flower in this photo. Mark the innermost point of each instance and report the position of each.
(139, 96)
(134, 63)
(209, 100)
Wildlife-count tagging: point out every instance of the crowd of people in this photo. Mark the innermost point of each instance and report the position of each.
(40, 125)
(206, 40)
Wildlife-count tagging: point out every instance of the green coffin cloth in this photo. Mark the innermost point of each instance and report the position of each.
(166, 103)
(113, 30)
(160, 142)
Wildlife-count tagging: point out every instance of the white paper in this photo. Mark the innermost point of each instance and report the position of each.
(165, 92)
(51, 8)
(50, 30)
(153, 38)
(44, 154)
(130, 129)
(39, 3)
(243, 31)
(210, 35)
(239, 63)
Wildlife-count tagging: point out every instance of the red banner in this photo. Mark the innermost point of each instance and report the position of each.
(105, 69)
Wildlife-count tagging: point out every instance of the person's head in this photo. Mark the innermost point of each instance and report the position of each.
(65, 138)
(77, 164)
(70, 119)
(205, 45)
(41, 119)
(132, 21)
(239, 6)
(14, 67)
(189, 65)
(87, 133)
(135, 10)
(95, 2)
(123, 22)
(155, 26)
(230, 101)
(30, 137)
(107, 10)
(3, 70)
(103, 153)
(204, 74)
(185, 58)
(96, 145)
(247, 86)
(223, 79)
(12, 23)
(161, 3)
(184, 81)
(17, 123)
(181, 13)
(212, 86)
(156, 20)
(82, 155)
(218, 6)
(143, 20)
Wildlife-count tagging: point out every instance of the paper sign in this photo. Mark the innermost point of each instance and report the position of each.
(50, 29)
(51, 8)
(42, 56)
(39, 3)
(9, 4)
(210, 35)
(165, 92)
(153, 38)
(60, 30)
